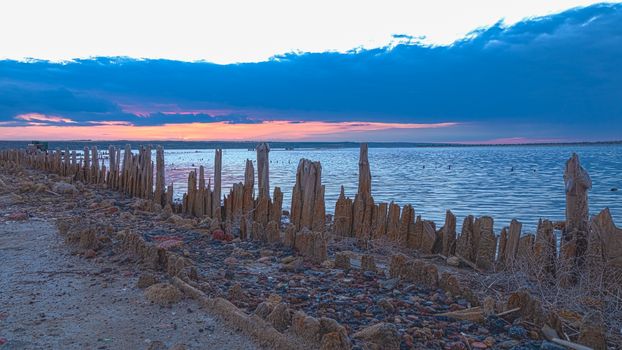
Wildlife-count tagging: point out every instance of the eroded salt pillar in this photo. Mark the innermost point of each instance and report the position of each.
(363, 204)
(511, 248)
(545, 248)
(94, 164)
(343, 215)
(393, 222)
(487, 243)
(379, 221)
(574, 236)
(464, 241)
(276, 209)
(263, 169)
(199, 200)
(364, 171)
(160, 185)
(249, 187)
(191, 193)
(577, 183)
(605, 239)
(307, 190)
(503, 240)
(216, 196)
(449, 234)
(406, 221)
(86, 170)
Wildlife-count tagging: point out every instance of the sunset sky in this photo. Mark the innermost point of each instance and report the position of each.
(427, 71)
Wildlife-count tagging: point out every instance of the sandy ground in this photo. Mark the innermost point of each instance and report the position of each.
(51, 299)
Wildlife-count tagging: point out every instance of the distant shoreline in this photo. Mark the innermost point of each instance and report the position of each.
(76, 144)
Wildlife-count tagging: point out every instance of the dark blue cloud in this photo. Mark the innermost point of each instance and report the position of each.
(557, 76)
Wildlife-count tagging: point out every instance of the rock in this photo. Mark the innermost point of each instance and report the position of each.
(592, 331)
(235, 293)
(517, 332)
(230, 260)
(342, 261)
(390, 283)
(264, 309)
(288, 259)
(274, 298)
(398, 262)
(328, 264)
(156, 345)
(306, 327)
(386, 305)
(530, 308)
(312, 245)
(280, 317)
(294, 266)
(368, 263)
(90, 254)
(265, 260)
(218, 235)
(163, 294)
(508, 344)
(450, 283)
(64, 188)
(380, 336)
(335, 341)
(145, 280)
(18, 216)
(453, 261)
(170, 243)
(488, 305)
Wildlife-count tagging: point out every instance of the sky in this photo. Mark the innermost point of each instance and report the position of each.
(416, 71)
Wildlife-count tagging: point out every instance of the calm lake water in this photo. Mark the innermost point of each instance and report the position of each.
(522, 182)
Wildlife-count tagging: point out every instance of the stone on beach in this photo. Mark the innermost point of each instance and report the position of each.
(163, 294)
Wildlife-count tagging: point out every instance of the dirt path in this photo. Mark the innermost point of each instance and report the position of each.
(50, 299)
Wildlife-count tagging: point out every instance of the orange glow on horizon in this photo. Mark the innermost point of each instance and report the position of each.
(272, 130)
